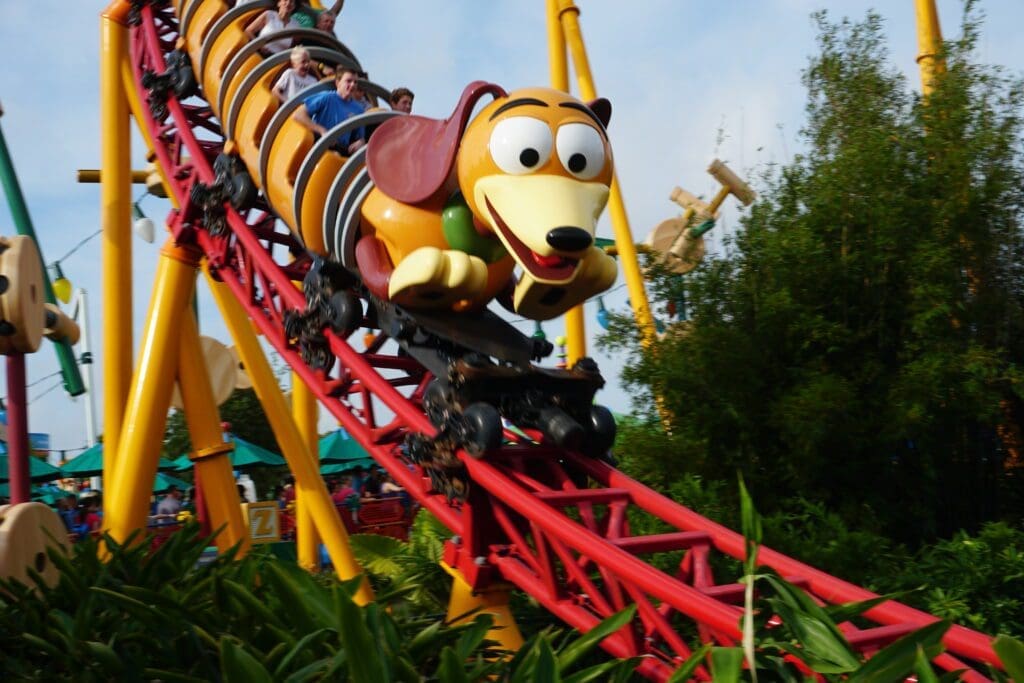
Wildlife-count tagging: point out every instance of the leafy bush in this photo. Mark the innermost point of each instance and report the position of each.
(977, 581)
(163, 616)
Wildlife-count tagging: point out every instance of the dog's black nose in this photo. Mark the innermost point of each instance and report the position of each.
(567, 238)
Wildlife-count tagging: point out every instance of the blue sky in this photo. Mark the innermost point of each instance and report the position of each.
(688, 80)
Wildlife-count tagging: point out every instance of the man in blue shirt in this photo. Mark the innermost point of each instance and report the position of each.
(325, 110)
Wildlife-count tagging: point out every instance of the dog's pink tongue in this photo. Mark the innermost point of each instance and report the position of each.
(547, 261)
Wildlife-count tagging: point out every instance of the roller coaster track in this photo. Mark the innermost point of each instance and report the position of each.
(528, 518)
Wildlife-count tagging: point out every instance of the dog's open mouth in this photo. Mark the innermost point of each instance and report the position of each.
(545, 268)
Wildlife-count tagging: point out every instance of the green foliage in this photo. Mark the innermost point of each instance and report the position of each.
(161, 616)
(810, 634)
(861, 341)
(811, 532)
(974, 580)
(407, 571)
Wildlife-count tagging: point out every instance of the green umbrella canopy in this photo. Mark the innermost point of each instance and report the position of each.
(165, 481)
(244, 456)
(343, 467)
(38, 470)
(90, 463)
(337, 447)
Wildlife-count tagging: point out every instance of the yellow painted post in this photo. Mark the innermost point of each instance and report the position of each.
(307, 476)
(129, 489)
(304, 411)
(569, 15)
(929, 44)
(115, 220)
(575, 327)
(210, 454)
(464, 604)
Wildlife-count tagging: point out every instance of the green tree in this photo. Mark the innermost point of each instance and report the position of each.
(860, 343)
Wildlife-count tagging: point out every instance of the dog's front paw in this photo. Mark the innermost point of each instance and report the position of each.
(437, 278)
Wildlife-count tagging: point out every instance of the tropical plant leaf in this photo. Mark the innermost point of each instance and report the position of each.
(923, 668)
(1011, 654)
(368, 667)
(452, 668)
(238, 666)
(726, 664)
(685, 672)
(302, 647)
(897, 660)
(589, 640)
(379, 554)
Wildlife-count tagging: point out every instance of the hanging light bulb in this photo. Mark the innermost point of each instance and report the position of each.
(602, 313)
(62, 288)
(143, 225)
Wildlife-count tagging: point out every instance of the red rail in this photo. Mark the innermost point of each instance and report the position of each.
(525, 520)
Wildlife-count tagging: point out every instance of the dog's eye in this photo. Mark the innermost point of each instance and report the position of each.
(520, 144)
(580, 149)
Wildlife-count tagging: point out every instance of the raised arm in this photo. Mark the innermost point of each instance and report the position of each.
(256, 25)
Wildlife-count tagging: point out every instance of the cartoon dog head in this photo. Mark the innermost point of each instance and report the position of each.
(534, 167)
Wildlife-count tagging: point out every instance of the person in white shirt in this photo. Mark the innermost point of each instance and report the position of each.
(297, 78)
(271, 22)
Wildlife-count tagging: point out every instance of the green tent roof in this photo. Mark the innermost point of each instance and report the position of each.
(90, 463)
(338, 447)
(38, 470)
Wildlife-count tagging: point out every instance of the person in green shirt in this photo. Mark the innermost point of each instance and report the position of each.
(307, 17)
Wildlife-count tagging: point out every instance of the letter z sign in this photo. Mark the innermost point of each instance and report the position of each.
(263, 519)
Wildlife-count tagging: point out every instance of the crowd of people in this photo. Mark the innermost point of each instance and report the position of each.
(82, 513)
(350, 490)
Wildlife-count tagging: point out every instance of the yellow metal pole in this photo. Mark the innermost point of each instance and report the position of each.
(307, 476)
(128, 492)
(115, 219)
(575, 327)
(464, 604)
(304, 411)
(210, 453)
(569, 15)
(929, 44)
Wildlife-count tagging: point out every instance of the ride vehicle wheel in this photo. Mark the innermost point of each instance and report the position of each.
(437, 403)
(558, 426)
(345, 312)
(600, 432)
(484, 429)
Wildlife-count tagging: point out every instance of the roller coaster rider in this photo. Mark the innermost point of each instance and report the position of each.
(323, 111)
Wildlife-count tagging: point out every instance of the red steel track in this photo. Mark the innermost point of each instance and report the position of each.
(525, 521)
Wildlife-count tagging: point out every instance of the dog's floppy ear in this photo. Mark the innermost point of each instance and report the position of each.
(602, 109)
(409, 157)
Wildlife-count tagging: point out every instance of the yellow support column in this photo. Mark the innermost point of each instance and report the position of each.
(304, 410)
(575, 327)
(126, 506)
(115, 220)
(307, 476)
(464, 604)
(929, 44)
(569, 15)
(209, 451)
